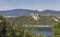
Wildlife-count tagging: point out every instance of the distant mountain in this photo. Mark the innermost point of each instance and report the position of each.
(21, 12)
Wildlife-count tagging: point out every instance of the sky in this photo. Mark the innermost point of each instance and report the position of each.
(30, 4)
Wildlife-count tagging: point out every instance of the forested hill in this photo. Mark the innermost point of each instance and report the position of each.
(20, 12)
(28, 20)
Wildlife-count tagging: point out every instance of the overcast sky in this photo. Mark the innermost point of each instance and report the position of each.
(30, 4)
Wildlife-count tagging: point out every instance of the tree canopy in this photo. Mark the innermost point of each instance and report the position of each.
(56, 30)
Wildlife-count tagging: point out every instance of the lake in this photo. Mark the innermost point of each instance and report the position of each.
(42, 30)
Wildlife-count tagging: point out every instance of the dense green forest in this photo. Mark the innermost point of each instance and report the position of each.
(56, 30)
(8, 29)
(12, 27)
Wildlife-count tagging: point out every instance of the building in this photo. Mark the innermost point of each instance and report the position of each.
(35, 16)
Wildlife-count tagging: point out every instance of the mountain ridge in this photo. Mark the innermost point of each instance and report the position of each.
(21, 12)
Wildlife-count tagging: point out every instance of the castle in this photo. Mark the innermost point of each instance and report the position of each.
(35, 16)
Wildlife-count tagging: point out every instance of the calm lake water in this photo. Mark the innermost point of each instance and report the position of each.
(42, 30)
